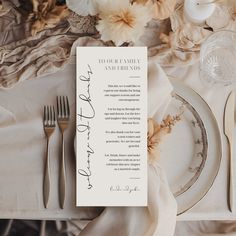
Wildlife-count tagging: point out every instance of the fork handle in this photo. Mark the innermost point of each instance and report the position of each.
(46, 181)
(62, 180)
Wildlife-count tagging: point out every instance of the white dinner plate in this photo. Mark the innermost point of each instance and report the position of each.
(191, 154)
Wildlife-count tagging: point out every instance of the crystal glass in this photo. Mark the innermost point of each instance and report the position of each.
(218, 58)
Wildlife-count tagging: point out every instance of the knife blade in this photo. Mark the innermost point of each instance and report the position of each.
(228, 131)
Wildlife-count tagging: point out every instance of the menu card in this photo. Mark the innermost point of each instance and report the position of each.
(111, 126)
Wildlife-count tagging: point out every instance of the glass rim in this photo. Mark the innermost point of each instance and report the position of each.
(220, 31)
(204, 49)
(206, 40)
(217, 32)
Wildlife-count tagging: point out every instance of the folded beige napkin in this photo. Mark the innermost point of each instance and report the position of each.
(159, 89)
(159, 217)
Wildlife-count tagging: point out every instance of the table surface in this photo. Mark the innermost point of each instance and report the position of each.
(23, 150)
(23, 147)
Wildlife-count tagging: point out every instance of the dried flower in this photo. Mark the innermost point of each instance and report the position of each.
(121, 21)
(156, 132)
(46, 14)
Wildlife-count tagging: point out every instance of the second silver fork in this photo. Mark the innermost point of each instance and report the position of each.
(63, 116)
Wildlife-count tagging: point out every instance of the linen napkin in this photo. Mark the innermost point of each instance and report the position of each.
(159, 91)
(159, 217)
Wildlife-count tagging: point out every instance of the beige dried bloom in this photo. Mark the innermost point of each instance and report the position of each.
(122, 22)
(156, 132)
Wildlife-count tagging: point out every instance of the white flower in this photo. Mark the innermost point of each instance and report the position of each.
(121, 21)
(83, 7)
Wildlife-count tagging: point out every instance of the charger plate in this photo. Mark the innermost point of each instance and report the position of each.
(191, 154)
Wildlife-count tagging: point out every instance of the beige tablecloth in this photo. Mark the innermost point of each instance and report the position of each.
(22, 159)
(23, 145)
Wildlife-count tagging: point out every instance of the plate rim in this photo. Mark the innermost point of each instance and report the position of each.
(204, 134)
(173, 80)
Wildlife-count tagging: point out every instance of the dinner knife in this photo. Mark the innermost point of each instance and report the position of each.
(228, 131)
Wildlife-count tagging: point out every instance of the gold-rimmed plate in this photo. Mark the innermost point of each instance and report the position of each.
(191, 155)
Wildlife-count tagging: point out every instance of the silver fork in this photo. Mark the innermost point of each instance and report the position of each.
(49, 124)
(63, 117)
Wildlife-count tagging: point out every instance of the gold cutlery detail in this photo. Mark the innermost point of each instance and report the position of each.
(63, 117)
(228, 131)
(49, 123)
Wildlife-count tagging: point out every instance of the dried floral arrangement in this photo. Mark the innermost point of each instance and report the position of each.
(120, 21)
(123, 21)
(156, 132)
(158, 24)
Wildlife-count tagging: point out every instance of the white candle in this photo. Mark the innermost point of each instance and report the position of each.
(196, 12)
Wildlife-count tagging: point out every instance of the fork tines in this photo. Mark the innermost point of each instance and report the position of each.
(63, 109)
(49, 116)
